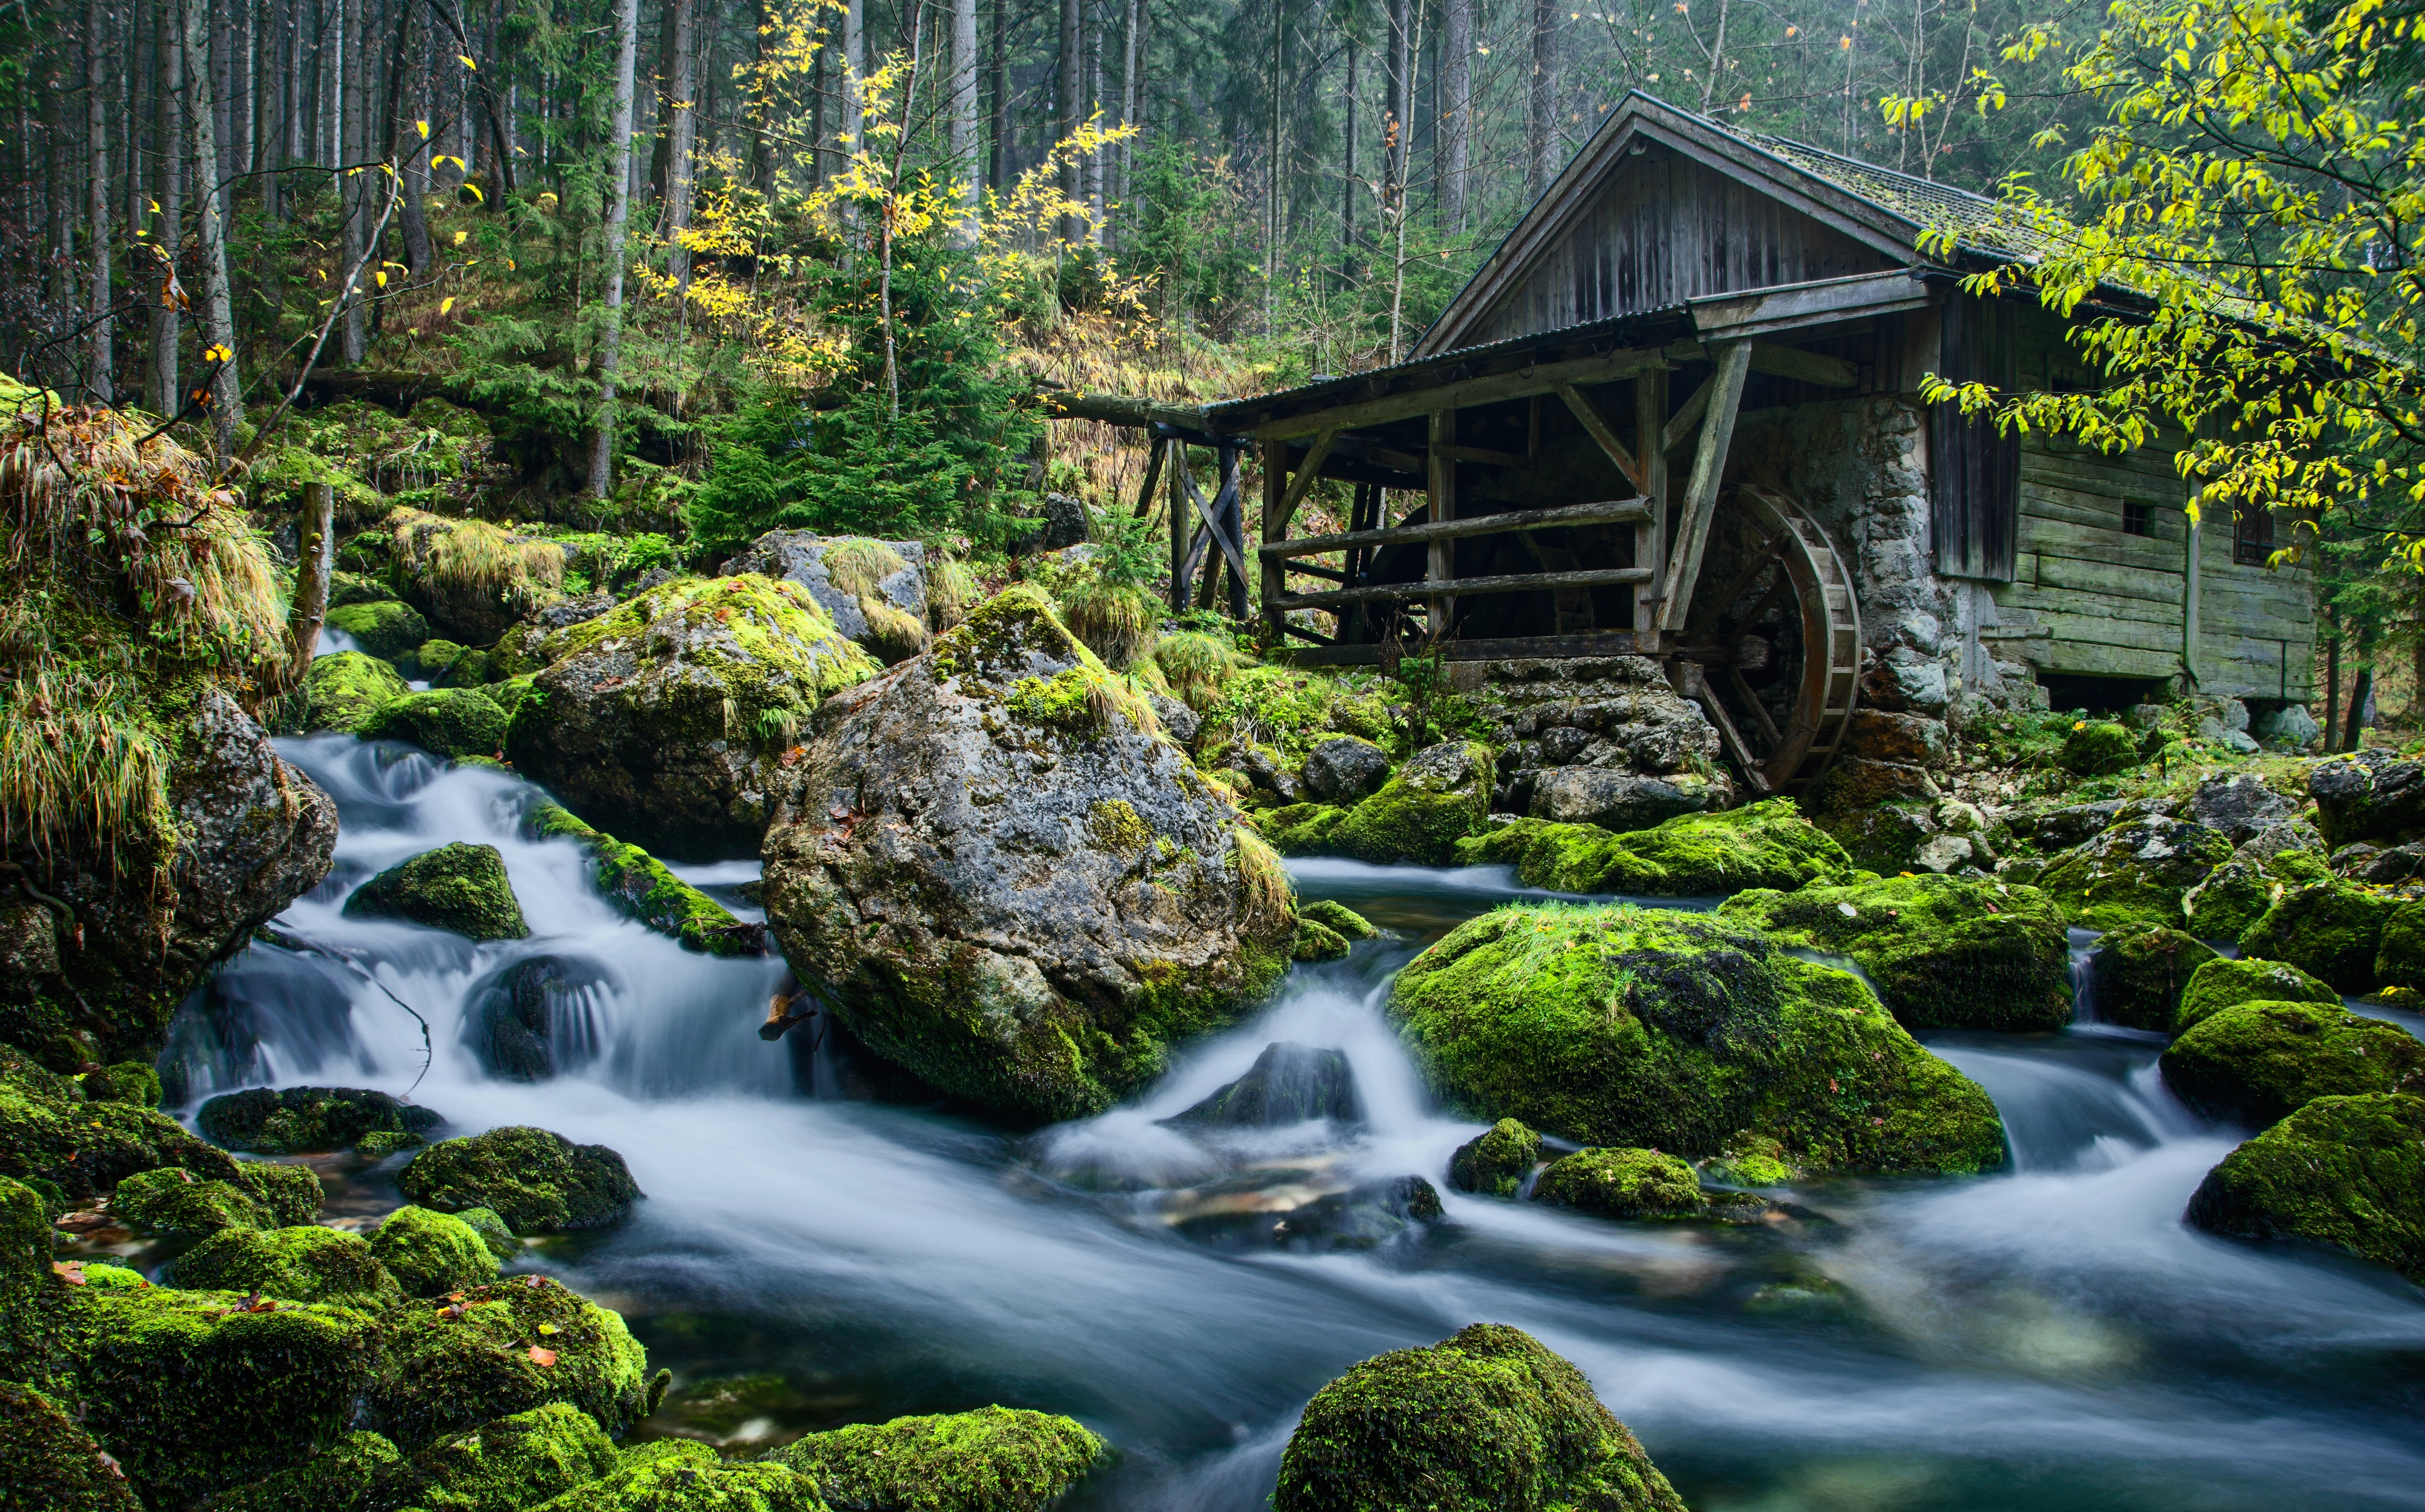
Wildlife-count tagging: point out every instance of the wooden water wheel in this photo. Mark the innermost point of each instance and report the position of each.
(1775, 652)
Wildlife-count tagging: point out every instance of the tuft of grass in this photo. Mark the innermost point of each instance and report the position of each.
(857, 565)
(1116, 620)
(474, 556)
(1269, 896)
(1196, 663)
(952, 587)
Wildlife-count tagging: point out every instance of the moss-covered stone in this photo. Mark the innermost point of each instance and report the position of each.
(2233, 896)
(1317, 941)
(449, 721)
(537, 1181)
(385, 628)
(2400, 954)
(2140, 972)
(1622, 1184)
(299, 1264)
(129, 1081)
(493, 1232)
(357, 587)
(340, 1479)
(49, 1464)
(458, 887)
(1302, 829)
(2343, 1171)
(1436, 799)
(307, 1120)
(1759, 845)
(345, 688)
(507, 1347)
(641, 888)
(174, 1201)
(1943, 952)
(504, 1466)
(1338, 916)
(430, 1253)
(2218, 984)
(471, 577)
(676, 1484)
(286, 1194)
(2252, 1062)
(2098, 748)
(48, 1131)
(2135, 872)
(1487, 1421)
(1618, 1025)
(994, 1459)
(1496, 1161)
(2330, 930)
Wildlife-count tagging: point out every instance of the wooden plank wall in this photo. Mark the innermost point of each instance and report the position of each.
(2113, 600)
(1662, 230)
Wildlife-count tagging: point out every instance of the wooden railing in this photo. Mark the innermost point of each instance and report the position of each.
(1611, 511)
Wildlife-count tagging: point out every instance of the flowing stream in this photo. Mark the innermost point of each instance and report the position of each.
(2051, 1337)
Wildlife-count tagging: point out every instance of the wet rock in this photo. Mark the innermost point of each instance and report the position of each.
(1612, 801)
(1014, 887)
(473, 1361)
(642, 888)
(1638, 1184)
(535, 1018)
(2348, 1172)
(1761, 844)
(255, 1195)
(430, 1253)
(1485, 1419)
(1346, 771)
(345, 688)
(2218, 983)
(1495, 1162)
(2140, 972)
(1338, 917)
(1440, 796)
(1317, 941)
(994, 1459)
(338, 1477)
(385, 628)
(511, 1464)
(50, 1464)
(1659, 1030)
(2252, 1062)
(874, 592)
(48, 1131)
(1907, 739)
(2135, 872)
(1288, 1083)
(299, 1120)
(665, 721)
(2239, 804)
(2327, 929)
(1944, 953)
(456, 721)
(2371, 795)
(1361, 1217)
(537, 1181)
(301, 1264)
(564, 613)
(458, 887)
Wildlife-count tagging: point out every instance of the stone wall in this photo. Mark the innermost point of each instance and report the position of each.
(1595, 740)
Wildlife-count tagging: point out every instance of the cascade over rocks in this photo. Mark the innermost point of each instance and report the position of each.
(2141, 970)
(458, 887)
(1010, 883)
(1288, 1083)
(530, 1020)
(300, 1119)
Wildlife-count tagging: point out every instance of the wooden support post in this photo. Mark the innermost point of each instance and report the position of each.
(1594, 426)
(1701, 492)
(1650, 537)
(1275, 491)
(1179, 518)
(1154, 451)
(1233, 530)
(1440, 566)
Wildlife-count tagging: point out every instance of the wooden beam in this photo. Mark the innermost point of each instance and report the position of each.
(1701, 493)
(1307, 472)
(1180, 553)
(1612, 511)
(1484, 455)
(1276, 499)
(1649, 549)
(1440, 559)
(1805, 367)
(1467, 392)
(1822, 302)
(1680, 428)
(1598, 429)
(1211, 516)
(1121, 409)
(1599, 577)
(1152, 474)
(1589, 643)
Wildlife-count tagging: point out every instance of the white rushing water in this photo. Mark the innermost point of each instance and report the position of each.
(2050, 1337)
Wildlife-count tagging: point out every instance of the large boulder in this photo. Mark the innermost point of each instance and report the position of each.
(344, 688)
(2239, 804)
(503, 1348)
(49, 1131)
(2330, 930)
(2370, 794)
(1759, 845)
(2135, 872)
(385, 628)
(472, 578)
(665, 721)
(255, 1195)
(537, 1181)
(307, 1120)
(2220, 983)
(1489, 1421)
(2343, 1171)
(308, 1264)
(1439, 797)
(994, 1459)
(2252, 1062)
(1011, 883)
(1624, 1026)
(430, 1253)
(1943, 952)
(507, 1464)
(450, 722)
(458, 887)
(2140, 971)
(874, 592)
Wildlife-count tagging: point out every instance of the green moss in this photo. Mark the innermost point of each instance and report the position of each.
(2252, 1062)
(504, 1466)
(1195, 664)
(1114, 824)
(1317, 941)
(1292, 709)
(2140, 972)
(385, 628)
(49, 1464)
(994, 1459)
(458, 887)
(299, 1264)
(774, 650)
(453, 721)
(2234, 896)
(1943, 952)
(343, 689)
(1302, 829)
(2099, 749)
(664, 1484)
(2134, 873)
(539, 1181)
(174, 1201)
(48, 1131)
(1618, 1025)
(194, 1392)
(2218, 983)
(306, 1119)
(1420, 814)
(432, 659)
(1487, 1421)
(2400, 955)
(1496, 1161)
(131, 1080)
(430, 1254)
(2330, 930)
(642, 888)
(342, 1479)
(1338, 916)
(1623, 1183)
(493, 1233)
(1761, 846)
(2343, 1171)
(486, 1356)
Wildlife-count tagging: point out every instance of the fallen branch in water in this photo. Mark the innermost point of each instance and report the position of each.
(291, 940)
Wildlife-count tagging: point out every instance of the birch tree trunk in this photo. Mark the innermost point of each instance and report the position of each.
(1541, 116)
(96, 69)
(681, 138)
(998, 100)
(1456, 111)
(210, 201)
(1066, 107)
(619, 214)
(168, 227)
(961, 108)
(353, 333)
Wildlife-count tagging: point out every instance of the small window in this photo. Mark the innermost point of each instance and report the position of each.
(2138, 517)
(2252, 537)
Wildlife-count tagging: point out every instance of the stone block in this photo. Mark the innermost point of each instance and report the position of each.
(1905, 739)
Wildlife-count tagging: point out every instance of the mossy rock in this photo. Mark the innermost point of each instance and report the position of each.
(1317, 941)
(2232, 899)
(1302, 829)
(504, 1466)
(2344, 1171)
(431, 1253)
(1487, 1421)
(340, 1479)
(175, 1200)
(1496, 1161)
(1766, 844)
(537, 1181)
(2253, 1063)
(2098, 748)
(458, 887)
(1337, 916)
(1615, 1025)
(641, 888)
(307, 1120)
(199, 1391)
(2400, 955)
(2136, 872)
(506, 1348)
(357, 587)
(2140, 972)
(299, 1264)
(345, 688)
(1436, 799)
(493, 1232)
(994, 1459)
(2219, 983)
(1944, 953)
(48, 1131)
(50, 1464)
(1622, 1184)
(129, 1081)
(454, 722)
(669, 1483)
(385, 628)
(2330, 930)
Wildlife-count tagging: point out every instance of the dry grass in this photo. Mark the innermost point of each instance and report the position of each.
(857, 565)
(1269, 896)
(1196, 663)
(476, 556)
(1116, 621)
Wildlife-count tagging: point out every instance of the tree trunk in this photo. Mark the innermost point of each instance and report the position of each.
(1348, 184)
(1132, 102)
(997, 78)
(1456, 111)
(168, 227)
(619, 211)
(96, 79)
(210, 199)
(1396, 74)
(1541, 119)
(854, 58)
(1093, 96)
(961, 109)
(408, 130)
(353, 333)
(681, 140)
(2332, 687)
(1066, 108)
(315, 532)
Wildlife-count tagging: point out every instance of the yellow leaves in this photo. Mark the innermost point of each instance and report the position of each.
(422, 127)
(467, 62)
(459, 236)
(473, 190)
(445, 304)
(381, 276)
(216, 353)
